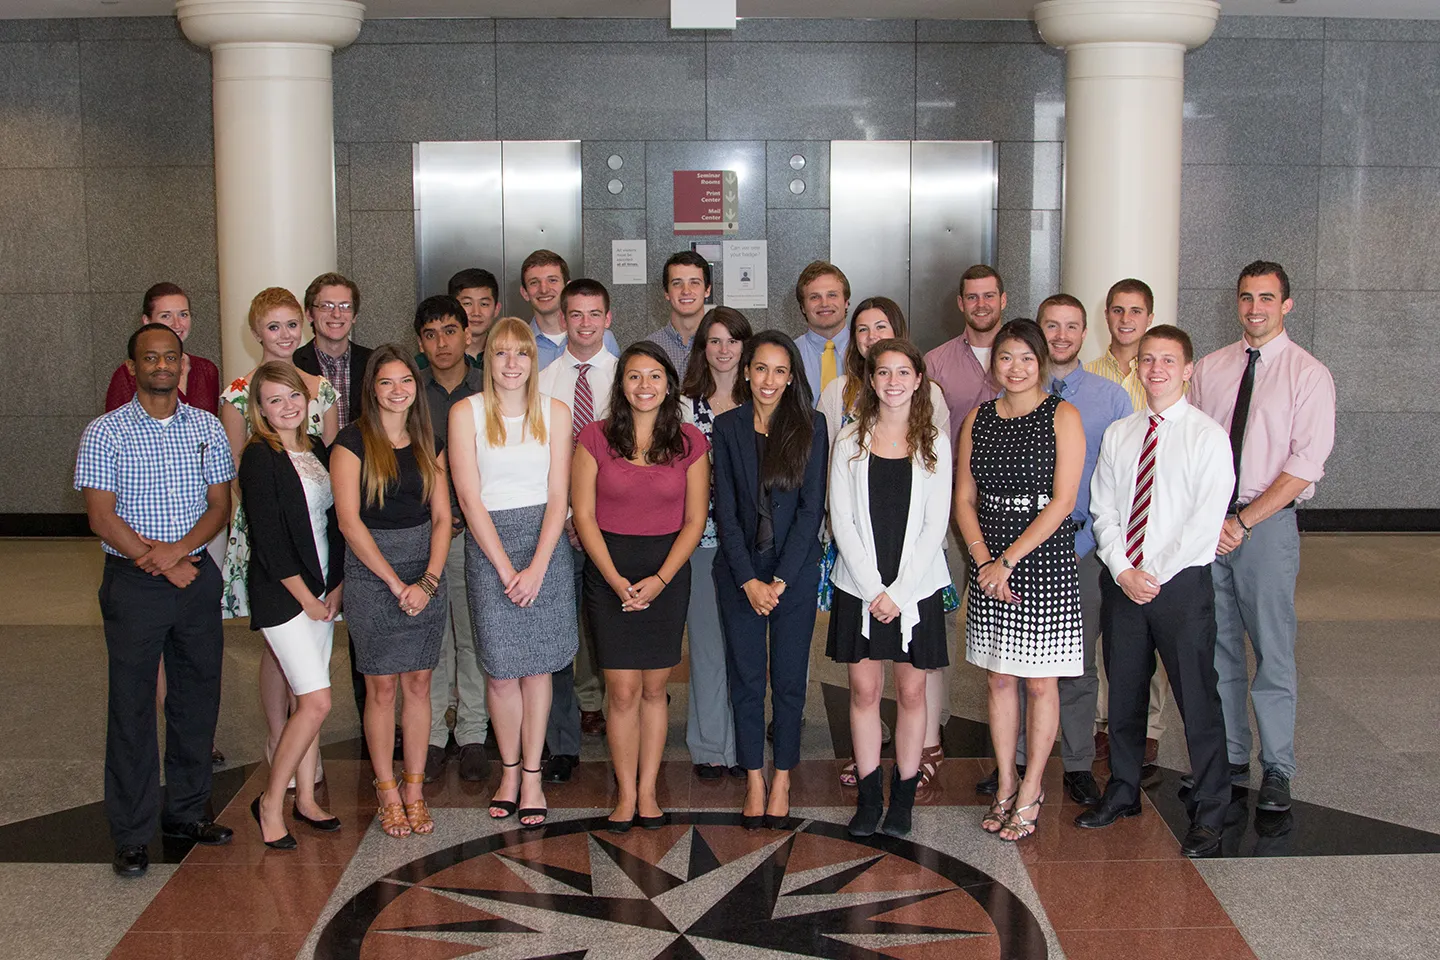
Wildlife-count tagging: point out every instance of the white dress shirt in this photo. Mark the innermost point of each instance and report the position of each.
(558, 379)
(1194, 477)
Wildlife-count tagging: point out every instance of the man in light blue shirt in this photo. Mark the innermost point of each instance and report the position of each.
(543, 276)
(824, 296)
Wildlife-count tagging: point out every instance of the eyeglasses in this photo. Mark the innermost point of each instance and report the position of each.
(328, 307)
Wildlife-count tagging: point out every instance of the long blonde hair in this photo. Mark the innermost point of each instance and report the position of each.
(275, 371)
(511, 333)
(380, 468)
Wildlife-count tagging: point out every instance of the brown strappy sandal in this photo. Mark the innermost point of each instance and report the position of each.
(392, 815)
(417, 813)
(930, 760)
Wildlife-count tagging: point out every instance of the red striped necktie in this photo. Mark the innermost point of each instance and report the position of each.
(1144, 487)
(584, 401)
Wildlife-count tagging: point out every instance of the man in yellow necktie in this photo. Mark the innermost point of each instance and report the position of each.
(823, 293)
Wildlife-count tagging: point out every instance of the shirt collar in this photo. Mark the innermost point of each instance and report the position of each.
(669, 331)
(344, 358)
(1072, 380)
(140, 414)
(575, 361)
(1176, 411)
(1273, 348)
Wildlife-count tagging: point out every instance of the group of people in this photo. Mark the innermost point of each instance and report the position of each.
(523, 522)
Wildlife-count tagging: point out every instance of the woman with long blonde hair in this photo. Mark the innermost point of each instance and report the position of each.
(510, 455)
(393, 500)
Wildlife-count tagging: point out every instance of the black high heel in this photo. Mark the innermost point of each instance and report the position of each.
(328, 825)
(540, 812)
(758, 820)
(507, 805)
(286, 842)
(652, 823)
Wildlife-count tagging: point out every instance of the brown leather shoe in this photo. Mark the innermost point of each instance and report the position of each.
(1152, 752)
(1102, 745)
(592, 723)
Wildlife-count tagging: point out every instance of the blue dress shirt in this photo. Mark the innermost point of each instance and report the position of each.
(550, 350)
(1101, 402)
(812, 345)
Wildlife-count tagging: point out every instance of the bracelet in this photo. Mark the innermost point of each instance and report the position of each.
(661, 579)
(984, 565)
(1243, 525)
(972, 543)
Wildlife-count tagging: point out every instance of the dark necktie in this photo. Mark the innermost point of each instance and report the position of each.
(1237, 422)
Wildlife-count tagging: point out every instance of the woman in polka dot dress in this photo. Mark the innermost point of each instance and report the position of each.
(1017, 474)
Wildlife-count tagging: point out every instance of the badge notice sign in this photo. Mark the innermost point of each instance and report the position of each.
(706, 202)
(746, 274)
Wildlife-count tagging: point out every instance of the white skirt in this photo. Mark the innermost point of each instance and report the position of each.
(302, 647)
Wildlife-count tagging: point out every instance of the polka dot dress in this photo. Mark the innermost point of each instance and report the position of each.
(1013, 463)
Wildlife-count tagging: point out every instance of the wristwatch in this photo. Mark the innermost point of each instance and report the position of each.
(1005, 562)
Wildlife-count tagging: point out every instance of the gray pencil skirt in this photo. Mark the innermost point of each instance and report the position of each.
(512, 641)
(388, 640)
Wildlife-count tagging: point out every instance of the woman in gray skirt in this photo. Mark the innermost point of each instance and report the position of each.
(393, 502)
(510, 447)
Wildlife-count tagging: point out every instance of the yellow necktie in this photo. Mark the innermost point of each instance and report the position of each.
(827, 364)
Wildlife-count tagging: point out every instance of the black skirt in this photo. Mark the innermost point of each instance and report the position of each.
(846, 644)
(646, 639)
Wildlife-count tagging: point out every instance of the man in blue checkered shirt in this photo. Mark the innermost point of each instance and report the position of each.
(156, 478)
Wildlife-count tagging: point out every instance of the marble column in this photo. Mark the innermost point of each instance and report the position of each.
(1124, 103)
(274, 147)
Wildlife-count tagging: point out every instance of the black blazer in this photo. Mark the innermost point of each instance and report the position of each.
(306, 360)
(797, 514)
(281, 542)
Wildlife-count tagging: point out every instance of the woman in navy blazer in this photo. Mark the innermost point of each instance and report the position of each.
(296, 565)
(770, 460)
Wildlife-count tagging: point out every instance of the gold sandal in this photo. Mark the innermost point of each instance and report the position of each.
(392, 815)
(1016, 821)
(417, 813)
(999, 813)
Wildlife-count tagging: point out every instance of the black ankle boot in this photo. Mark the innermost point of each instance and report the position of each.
(870, 806)
(902, 803)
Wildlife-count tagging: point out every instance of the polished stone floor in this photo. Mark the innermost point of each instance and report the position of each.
(1350, 872)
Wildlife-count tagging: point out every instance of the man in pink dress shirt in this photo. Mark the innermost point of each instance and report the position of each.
(961, 366)
(1280, 438)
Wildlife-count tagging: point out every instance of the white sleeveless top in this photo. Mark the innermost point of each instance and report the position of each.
(517, 474)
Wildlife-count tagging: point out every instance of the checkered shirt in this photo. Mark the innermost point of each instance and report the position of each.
(159, 473)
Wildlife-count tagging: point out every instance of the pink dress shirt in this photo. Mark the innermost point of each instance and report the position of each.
(1291, 428)
(965, 382)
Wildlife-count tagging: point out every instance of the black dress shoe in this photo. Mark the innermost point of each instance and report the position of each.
(709, 771)
(131, 861)
(328, 825)
(652, 823)
(988, 786)
(1200, 841)
(1082, 787)
(560, 767)
(1105, 814)
(1274, 793)
(474, 765)
(286, 842)
(434, 763)
(737, 771)
(202, 831)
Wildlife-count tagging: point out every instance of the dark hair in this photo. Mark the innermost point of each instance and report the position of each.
(544, 258)
(584, 287)
(920, 432)
(332, 280)
(439, 308)
(1132, 286)
(814, 271)
(379, 467)
(698, 381)
(979, 272)
(1061, 300)
(1166, 331)
(792, 426)
(1266, 268)
(1028, 332)
(667, 439)
(685, 258)
(162, 289)
(472, 278)
(854, 362)
(144, 328)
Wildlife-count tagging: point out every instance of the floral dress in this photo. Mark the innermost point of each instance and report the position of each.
(235, 600)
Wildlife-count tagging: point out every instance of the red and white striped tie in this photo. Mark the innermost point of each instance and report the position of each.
(584, 401)
(1144, 487)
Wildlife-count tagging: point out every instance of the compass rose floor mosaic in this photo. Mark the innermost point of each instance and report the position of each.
(1350, 871)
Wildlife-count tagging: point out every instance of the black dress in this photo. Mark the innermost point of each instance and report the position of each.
(889, 482)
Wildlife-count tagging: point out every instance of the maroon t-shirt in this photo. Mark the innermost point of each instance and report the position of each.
(643, 501)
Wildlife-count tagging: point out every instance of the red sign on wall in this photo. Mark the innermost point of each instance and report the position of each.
(706, 202)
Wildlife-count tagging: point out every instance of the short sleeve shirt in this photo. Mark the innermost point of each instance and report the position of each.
(405, 504)
(640, 500)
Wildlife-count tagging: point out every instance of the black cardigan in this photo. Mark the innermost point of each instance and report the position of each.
(281, 542)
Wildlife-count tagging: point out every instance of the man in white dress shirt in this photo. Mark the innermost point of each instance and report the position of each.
(1158, 497)
(579, 692)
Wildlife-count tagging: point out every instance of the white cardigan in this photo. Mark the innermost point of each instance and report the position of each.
(922, 560)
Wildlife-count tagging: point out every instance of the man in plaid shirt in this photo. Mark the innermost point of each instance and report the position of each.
(155, 474)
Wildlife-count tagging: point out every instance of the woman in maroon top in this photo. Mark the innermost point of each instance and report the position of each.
(199, 378)
(640, 490)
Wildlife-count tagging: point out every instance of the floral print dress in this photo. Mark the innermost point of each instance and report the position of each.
(235, 600)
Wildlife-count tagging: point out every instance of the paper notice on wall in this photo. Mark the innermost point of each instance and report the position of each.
(627, 261)
(746, 274)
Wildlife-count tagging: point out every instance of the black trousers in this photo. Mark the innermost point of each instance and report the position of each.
(1179, 624)
(147, 618)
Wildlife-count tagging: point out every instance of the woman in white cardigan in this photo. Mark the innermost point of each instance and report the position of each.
(890, 475)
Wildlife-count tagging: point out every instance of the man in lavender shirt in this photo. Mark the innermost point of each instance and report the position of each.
(962, 366)
(1278, 403)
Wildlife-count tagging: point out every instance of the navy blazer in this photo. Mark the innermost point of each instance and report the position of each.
(281, 541)
(306, 360)
(797, 514)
